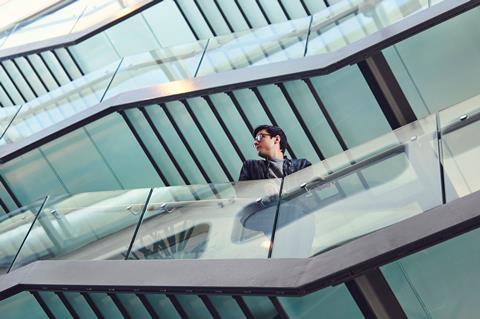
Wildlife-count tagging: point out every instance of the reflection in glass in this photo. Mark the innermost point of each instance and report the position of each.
(13, 229)
(59, 104)
(274, 43)
(20, 11)
(348, 21)
(155, 67)
(77, 16)
(208, 221)
(57, 23)
(332, 302)
(351, 197)
(86, 226)
(460, 150)
(7, 114)
(99, 11)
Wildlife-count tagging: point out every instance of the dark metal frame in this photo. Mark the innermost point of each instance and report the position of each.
(300, 120)
(148, 306)
(185, 143)
(207, 140)
(170, 155)
(187, 21)
(120, 306)
(67, 304)
(144, 148)
(243, 306)
(42, 304)
(92, 305)
(387, 91)
(226, 131)
(374, 296)
(245, 78)
(4, 69)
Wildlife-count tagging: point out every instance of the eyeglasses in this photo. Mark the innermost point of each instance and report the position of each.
(259, 137)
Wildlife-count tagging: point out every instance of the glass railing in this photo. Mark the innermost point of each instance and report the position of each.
(389, 179)
(22, 11)
(20, 122)
(274, 43)
(73, 18)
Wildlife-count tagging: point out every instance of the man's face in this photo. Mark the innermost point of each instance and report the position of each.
(265, 144)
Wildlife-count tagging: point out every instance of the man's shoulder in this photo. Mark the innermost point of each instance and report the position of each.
(252, 169)
(252, 162)
(300, 162)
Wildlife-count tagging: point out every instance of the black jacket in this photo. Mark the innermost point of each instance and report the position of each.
(258, 169)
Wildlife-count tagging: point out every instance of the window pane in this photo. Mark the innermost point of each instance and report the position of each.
(332, 302)
(357, 114)
(442, 77)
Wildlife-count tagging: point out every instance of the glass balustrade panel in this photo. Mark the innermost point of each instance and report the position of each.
(7, 114)
(84, 226)
(55, 24)
(13, 229)
(460, 151)
(99, 11)
(158, 66)
(362, 190)
(345, 22)
(232, 220)
(17, 11)
(273, 43)
(59, 104)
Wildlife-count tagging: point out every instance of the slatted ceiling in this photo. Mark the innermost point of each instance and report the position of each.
(151, 139)
(227, 307)
(51, 303)
(79, 305)
(295, 9)
(5, 98)
(51, 62)
(273, 10)
(311, 113)
(193, 306)
(252, 13)
(19, 79)
(133, 305)
(174, 138)
(233, 15)
(10, 85)
(194, 18)
(30, 76)
(162, 306)
(224, 145)
(185, 122)
(213, 14)
(68, 63)
(105, 304)
(145, 148)
(261, 307)
(236, 125)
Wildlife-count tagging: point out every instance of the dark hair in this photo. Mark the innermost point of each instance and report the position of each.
(273, 131)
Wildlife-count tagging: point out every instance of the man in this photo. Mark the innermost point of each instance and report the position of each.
(270, 142)
(295, 228)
